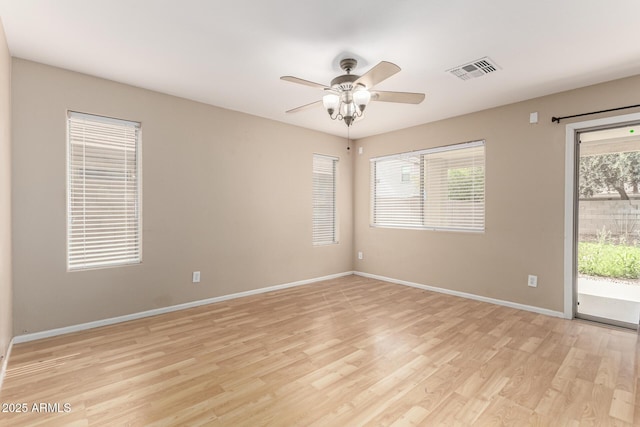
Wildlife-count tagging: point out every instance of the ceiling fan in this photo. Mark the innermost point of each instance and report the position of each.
(348, 95)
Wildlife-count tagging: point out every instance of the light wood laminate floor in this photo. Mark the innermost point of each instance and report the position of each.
(350, 351)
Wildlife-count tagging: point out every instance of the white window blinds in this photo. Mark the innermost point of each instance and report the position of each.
(440, 188)
(103, 198)
(324, 200)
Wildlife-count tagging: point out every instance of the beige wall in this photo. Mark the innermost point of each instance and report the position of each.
(224, 193)
(230, 195)
(6, 298)
(524, 201)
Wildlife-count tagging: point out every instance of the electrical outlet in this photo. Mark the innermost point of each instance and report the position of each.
(533, 281)
(360, 256)
(196, 277)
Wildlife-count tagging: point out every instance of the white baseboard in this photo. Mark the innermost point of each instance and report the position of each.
(119, 319)
(5, 361)
(510, 304)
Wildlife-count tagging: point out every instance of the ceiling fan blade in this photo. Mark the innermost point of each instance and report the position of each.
(403, 97)
(380, 72)
(304, 107)
(302, 82)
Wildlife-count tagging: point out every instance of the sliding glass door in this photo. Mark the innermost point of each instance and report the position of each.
(608, 225)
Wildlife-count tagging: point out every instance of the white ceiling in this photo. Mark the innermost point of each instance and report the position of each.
(232, 53)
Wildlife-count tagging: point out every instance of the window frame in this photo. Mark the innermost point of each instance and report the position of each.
(84, 266)
(422, 192)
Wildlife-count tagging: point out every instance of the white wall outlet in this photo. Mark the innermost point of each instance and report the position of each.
(533, 281)
(196, 277)
(360, 255)
(533, 117)
(359, 150)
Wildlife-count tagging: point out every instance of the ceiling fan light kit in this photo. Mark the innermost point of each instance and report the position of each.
(348, 105)
(349, 94)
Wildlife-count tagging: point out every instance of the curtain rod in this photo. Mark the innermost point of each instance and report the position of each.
(557, 119)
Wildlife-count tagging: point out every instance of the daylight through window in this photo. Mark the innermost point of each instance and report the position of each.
(324, 200)
(440, 188)
(103, 193)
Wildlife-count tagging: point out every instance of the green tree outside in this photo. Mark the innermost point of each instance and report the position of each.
(603, 173)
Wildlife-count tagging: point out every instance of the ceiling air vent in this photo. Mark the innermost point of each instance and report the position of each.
(477, 68)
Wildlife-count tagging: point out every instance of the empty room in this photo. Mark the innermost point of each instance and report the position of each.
(314, 213)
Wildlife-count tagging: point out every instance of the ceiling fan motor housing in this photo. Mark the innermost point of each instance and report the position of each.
(345, 82)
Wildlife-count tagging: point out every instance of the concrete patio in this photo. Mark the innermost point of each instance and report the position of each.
(608, 299)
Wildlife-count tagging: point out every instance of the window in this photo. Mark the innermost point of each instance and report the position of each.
(406, 173)
(324, 200)
(440, 188)
(103, 193)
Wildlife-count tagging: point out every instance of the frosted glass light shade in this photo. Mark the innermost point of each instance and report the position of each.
(330, 101)
(348, 110)
(361, 98)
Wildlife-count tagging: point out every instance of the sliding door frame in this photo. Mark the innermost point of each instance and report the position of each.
(571, 201)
